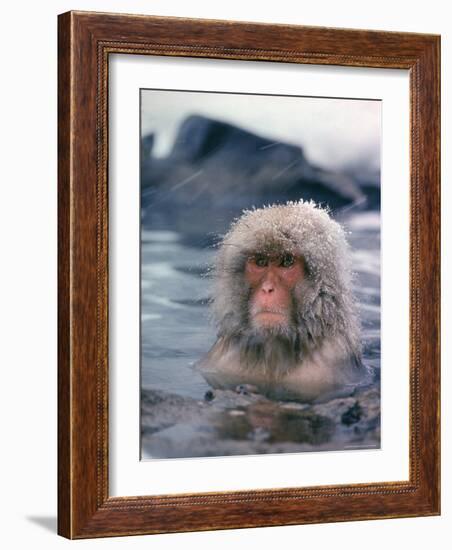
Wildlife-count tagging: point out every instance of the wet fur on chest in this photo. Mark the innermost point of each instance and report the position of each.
(304, 377)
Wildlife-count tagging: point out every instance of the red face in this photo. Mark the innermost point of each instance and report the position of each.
(272, 279)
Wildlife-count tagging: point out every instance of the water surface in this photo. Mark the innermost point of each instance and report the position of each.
(176, 331)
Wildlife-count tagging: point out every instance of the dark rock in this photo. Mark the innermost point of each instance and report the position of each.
(352, 415)
(220, 166)
(209, 395)
(147, 144)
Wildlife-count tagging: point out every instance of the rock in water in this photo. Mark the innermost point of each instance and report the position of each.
(216, 164)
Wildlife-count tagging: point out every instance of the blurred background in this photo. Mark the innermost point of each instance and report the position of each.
(221, 152)
(204, 158)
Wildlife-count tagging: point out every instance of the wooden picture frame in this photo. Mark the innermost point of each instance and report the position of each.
(85, 42)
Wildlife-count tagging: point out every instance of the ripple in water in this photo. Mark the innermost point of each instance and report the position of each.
(176, 331)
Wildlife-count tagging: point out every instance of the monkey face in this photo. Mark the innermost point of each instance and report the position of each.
(282, 288)
(272, 278)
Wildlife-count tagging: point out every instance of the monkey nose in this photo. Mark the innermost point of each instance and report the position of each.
(268, 287)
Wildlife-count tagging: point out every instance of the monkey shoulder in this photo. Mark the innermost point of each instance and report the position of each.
(221, 367)
(327, 370)
(320, 373)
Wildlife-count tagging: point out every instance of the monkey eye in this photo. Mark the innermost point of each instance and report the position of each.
(260, 260)
(287, 260)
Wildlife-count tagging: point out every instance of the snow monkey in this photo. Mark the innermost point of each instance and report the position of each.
(283, 306)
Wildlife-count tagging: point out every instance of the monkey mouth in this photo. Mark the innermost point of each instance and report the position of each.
(276, 310)
(269, 315)
(270, 312)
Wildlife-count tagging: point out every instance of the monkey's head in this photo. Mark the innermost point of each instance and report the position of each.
(282, 284)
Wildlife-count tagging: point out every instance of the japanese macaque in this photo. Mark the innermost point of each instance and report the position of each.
(283, 305)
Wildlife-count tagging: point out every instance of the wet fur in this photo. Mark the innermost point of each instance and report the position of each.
(320, 348)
